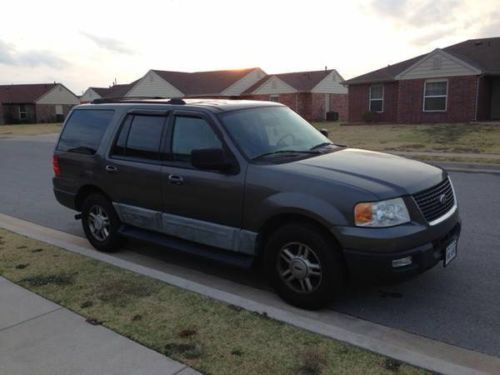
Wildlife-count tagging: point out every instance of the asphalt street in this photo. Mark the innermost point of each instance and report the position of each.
(459, 305)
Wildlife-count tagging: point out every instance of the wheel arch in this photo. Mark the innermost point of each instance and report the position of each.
(84, 192)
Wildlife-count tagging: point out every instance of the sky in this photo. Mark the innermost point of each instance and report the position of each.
(93, 43)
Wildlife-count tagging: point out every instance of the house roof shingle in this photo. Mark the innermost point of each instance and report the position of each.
(300, 81)
(481, 53)
(203, 83)
(115, 91)
(24, 93)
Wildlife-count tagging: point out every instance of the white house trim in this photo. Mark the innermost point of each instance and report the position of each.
(274, 85)
(59, 94)
(331, 84)
(152, 84)
(250, 79)
(454, 67)
(89, 95)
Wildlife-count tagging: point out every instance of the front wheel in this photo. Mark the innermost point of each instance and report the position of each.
(304, 265)
(101, 223)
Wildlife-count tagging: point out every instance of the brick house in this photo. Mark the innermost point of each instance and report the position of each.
(311, 94)
(32, 103)
(459, 83)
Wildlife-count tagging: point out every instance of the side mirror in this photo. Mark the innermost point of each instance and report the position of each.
(211, 159)
(324, 132)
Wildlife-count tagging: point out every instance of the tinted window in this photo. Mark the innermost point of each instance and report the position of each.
(191, 133)
(84, 130)
(140, 137)
(264, 130)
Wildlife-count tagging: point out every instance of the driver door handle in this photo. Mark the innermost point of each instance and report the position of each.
(176, 180)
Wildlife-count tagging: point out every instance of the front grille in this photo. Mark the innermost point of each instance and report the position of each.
(436, 201)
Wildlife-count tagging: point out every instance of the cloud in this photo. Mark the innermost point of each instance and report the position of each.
(417, 13)
(10, 56)
(110, 44)
(490, 28)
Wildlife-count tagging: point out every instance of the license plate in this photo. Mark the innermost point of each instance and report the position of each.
(450, 252)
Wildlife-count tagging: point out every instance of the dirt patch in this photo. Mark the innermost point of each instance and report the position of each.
(55, 279)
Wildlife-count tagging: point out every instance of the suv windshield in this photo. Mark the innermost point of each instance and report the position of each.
(262, 132)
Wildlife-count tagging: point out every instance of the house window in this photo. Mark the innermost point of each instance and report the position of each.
(435, 96)
(377, 98)
(274, 98)
(23, 114)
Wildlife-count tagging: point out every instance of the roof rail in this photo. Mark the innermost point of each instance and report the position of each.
(176, 101)
(128, 99)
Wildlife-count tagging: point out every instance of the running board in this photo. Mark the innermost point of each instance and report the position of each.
(187, 247)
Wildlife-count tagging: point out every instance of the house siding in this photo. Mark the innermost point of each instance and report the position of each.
(11, 114)
(436, 65)
(89, 95)
(59, 95)
(246, 82)
(274, 85)
(358, 102)
(46, 113)
(330, 85)
(461, 102)
(153, 85)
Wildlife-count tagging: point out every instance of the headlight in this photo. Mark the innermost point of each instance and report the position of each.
(381, 214)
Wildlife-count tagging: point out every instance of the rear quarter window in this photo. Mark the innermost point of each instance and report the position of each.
(84, 130)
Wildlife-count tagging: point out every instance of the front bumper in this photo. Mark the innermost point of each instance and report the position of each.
(373, 259)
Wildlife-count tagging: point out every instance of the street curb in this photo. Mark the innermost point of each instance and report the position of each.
(415, 350)
(466, 167)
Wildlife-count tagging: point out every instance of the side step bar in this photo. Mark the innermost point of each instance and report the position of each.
(183, 246)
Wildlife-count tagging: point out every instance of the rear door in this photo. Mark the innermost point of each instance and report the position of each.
(201, 206)
(133, 169)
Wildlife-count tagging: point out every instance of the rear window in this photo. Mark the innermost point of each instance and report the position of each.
(84, 130)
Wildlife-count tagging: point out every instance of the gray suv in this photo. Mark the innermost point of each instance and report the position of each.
(247, 181)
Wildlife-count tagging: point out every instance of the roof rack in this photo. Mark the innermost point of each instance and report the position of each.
(139, 99)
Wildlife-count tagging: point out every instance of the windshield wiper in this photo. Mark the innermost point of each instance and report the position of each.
(324, 144)
(279, 152)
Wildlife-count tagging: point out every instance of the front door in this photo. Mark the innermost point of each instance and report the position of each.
(495, 99)
(201, 206)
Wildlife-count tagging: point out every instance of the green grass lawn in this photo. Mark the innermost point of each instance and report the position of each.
(211, 336)
(456, 138)
(28, 129)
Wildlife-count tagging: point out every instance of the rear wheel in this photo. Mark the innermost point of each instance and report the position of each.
(101, 223)
(304, 265)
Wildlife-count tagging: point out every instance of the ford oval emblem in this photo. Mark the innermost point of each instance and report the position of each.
(442, 198)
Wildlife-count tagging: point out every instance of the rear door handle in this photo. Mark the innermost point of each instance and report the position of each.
(111, 168)
(176, 180)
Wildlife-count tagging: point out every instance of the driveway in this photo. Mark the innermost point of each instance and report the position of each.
(458, 305)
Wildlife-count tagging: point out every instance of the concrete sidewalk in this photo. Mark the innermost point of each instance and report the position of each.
(41, 337)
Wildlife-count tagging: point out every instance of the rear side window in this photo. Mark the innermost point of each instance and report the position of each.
(84, 130)
(140, 137)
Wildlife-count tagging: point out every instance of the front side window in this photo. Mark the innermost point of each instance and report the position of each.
(140, 137)
(435, 96)
(376, 98)
(84, 130)
(192, 133)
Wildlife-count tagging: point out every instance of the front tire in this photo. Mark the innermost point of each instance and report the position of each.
(101, 223)
(304, 265)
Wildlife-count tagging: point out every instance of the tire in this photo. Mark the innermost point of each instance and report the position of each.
(102, 233)
(309, 248)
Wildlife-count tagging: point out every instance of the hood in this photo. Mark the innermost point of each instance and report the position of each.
(384, 175)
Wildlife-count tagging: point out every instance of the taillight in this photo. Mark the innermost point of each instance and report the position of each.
(55, 166)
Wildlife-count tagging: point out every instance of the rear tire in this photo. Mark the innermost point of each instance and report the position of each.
(304, 265)
(101, 223)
